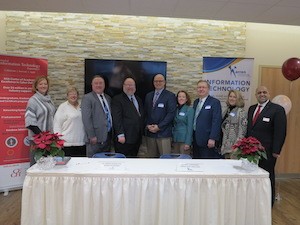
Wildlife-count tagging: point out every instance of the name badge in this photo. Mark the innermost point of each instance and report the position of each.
(265, 119)
(232, 114)
(181, 114)
(208, 107)
(160, 105)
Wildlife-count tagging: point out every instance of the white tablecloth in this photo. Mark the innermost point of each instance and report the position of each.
(146, 192)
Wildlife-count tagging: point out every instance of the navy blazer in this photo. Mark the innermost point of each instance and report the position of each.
(162, 113)
(269, 128)
(208, 122)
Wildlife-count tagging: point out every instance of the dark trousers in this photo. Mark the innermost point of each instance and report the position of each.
(205, 152)
(129, 150)
(269, 165)
(75, 151)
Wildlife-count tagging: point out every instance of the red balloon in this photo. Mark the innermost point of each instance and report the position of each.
(291, 69)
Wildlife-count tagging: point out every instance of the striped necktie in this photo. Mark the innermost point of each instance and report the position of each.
(155, 98)
(107, 113)
(198, 109)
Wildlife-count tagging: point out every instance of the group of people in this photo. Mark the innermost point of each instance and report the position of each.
(169, 122)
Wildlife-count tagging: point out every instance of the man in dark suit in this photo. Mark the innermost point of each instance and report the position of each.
(160, 109)
(207, 123)
(96, 118)
(127, 112)
(267, 122)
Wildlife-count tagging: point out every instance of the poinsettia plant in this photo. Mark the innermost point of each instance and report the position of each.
(46, 143)
(249, 148)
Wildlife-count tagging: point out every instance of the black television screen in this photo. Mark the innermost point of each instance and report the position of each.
(115, 71)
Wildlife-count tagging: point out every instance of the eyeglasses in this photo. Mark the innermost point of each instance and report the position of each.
(159, 81)
(262, 92)
(129, 85)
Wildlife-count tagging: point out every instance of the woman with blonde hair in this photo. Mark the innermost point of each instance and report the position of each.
(234, 125)
(68, 122)
(40, 110)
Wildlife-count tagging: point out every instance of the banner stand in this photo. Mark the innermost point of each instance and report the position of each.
(225, 74)
(17, 74)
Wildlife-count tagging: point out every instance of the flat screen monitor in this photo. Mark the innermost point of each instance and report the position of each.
(115, 72)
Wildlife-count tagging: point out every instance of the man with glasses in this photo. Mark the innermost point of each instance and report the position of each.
(128, 114)
(160, 109)
(207, 123)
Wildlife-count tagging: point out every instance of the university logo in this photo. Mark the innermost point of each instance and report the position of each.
(235, 72)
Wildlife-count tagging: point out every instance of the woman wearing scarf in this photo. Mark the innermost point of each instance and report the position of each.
(234, 123)
(40, 110)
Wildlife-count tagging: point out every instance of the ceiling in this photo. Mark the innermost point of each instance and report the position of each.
(257, 11)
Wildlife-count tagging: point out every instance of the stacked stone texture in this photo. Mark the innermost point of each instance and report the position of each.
(67, 39)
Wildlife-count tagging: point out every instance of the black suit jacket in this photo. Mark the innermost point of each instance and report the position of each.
(126, 119)
(269, 128)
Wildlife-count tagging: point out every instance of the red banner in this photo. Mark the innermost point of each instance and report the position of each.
(16, 77)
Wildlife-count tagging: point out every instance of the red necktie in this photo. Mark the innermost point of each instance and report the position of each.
(256, 115)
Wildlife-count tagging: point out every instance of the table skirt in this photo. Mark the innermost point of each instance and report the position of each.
(109, 200)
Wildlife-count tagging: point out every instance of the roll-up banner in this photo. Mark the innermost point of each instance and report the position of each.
(16, 77)
(225, 74)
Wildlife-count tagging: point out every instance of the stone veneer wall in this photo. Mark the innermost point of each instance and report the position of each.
(67, 39)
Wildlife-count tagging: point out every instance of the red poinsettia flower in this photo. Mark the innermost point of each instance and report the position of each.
(249, 148)
(46, 143)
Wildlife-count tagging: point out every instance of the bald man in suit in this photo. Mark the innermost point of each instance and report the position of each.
(128, 120)
(160, 110)
(269, 127)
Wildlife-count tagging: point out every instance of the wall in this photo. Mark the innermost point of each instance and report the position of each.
(2, 32)
(289, 161)
(271, 45)
(67, 39)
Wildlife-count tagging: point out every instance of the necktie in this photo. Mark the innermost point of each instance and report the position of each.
(256, 115)
(107, 113)
(198, 109)
(132, 99)
(155, 98)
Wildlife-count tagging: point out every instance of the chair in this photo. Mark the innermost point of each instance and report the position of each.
(108, 155)
(175, 156)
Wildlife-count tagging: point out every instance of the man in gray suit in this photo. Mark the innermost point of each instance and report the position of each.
(96, 117)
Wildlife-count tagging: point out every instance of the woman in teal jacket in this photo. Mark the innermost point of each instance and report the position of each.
(183, 124)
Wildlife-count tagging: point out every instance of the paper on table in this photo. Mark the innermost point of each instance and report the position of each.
(113, 165)
(190, 167)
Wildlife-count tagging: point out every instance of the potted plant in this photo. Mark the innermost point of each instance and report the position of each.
(250, 150)
(45, 146)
